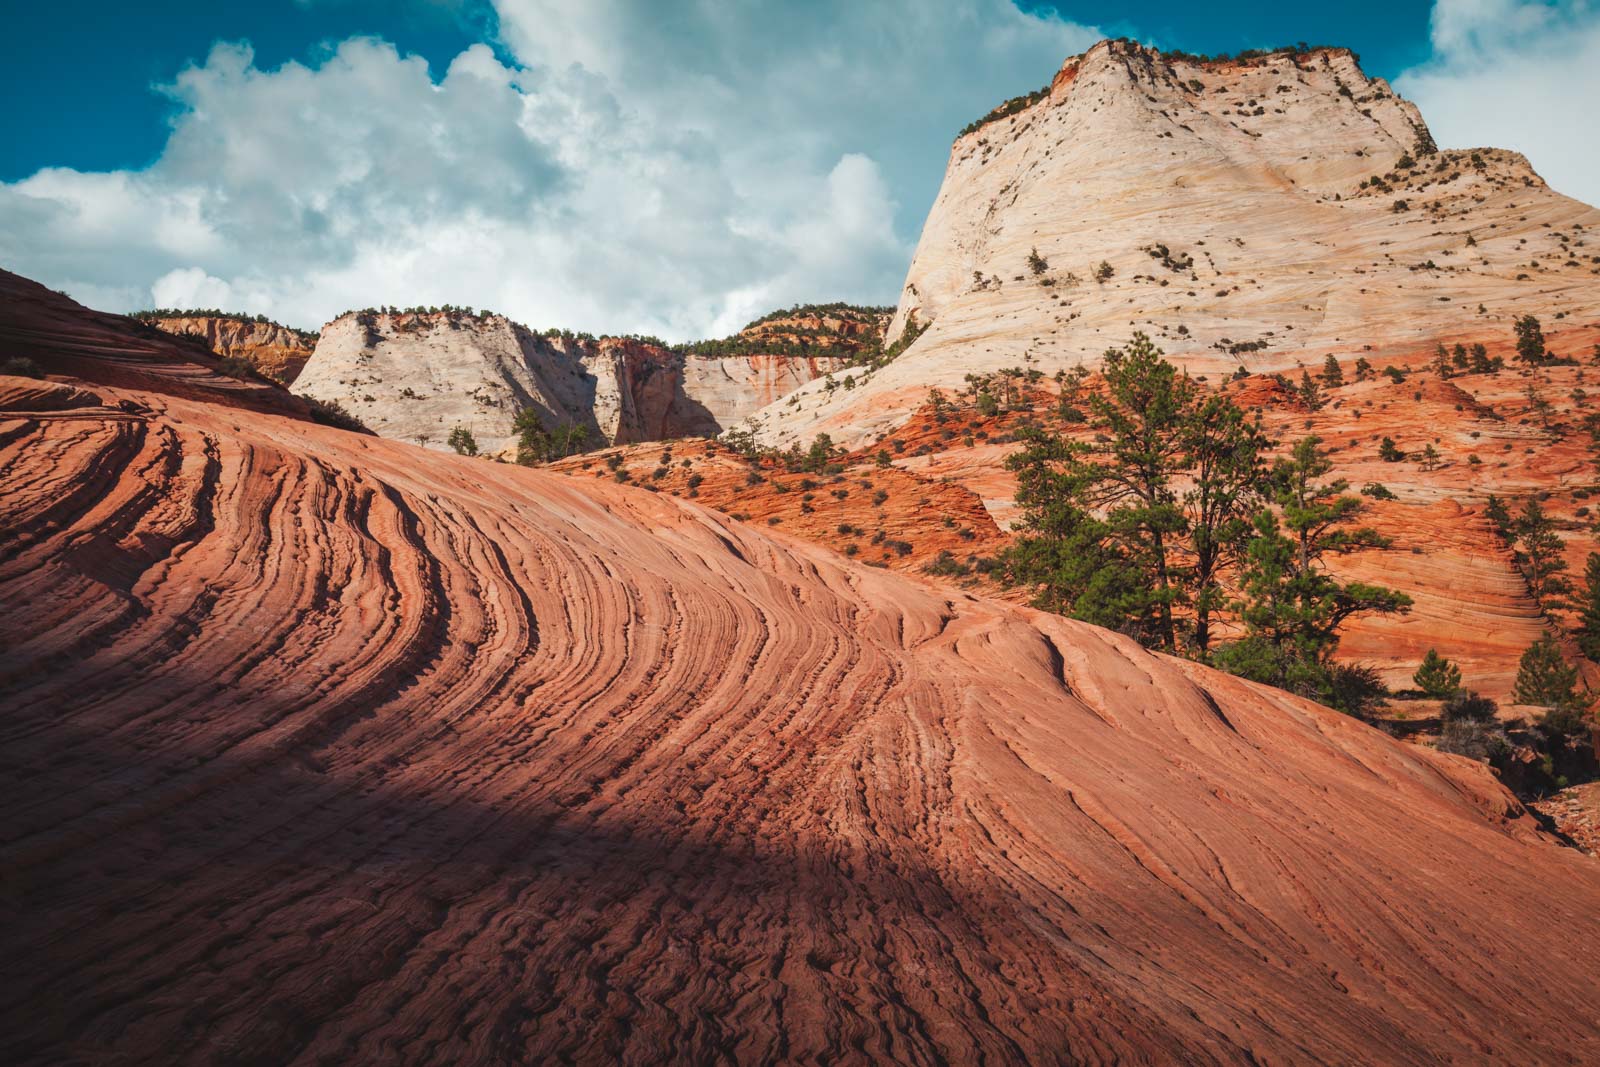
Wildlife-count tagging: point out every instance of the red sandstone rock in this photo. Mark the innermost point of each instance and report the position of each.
(318, 747)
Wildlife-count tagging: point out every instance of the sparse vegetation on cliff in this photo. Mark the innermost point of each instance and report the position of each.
(1005, 110)
(156, 314)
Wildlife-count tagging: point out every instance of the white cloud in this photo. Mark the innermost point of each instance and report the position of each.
(1519, 74)
(191, 287)
(672, 169)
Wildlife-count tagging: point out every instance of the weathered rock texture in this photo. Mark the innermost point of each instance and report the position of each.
(316, 749)
(1235, 205)
(276, 351)
(416, 377)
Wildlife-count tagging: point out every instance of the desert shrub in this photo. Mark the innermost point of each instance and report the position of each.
(1474, 740)
(21, 367)
(1467, 707)
(332, 413)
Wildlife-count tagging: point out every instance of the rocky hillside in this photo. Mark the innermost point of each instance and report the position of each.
(319, 747)
(276, 351)
(416, 376)
(46, 332)
(1262, 212)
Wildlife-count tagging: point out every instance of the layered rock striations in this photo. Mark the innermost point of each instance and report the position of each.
(1261, 212)
(321, 747)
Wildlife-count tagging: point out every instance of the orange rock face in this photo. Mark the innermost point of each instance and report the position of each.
(276, 351)
(322, 747)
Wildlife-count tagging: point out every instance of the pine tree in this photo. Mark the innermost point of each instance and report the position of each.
(1292, 608)
(1530, 341)
(1389, 452)
(533, 440)
(1332, 373)
(1441, 360)
(463, 442)
(1310, 393)
(1437, 677)
(1495, 511)
(1544, 678)
(1222, 453)
(1121, 489)
(1539, 555)
(1363, 369)
(1588, 606)
(1124, 530)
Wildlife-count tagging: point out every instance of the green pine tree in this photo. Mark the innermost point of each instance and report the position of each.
(1530, 340)
(1544, 678)
(1332, 374)
(1119, 492)
(1310, 392)
(533, 440)
(1539, 555)
(1222, 454)
(1588, 606)
(1292, 608)
(1437, 677)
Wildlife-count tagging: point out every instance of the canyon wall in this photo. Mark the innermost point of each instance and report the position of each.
(418, 376)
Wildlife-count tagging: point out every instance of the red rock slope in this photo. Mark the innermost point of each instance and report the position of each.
(60, 336)
(315, 751)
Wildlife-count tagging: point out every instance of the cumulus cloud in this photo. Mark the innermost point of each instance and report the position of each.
(618, 165)
(1520, 74)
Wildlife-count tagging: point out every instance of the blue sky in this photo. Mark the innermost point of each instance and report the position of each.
(666, 167)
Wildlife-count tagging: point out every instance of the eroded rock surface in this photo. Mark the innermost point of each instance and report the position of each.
(319, 747)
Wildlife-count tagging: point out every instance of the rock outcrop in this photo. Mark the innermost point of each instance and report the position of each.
(278, 352)
(1261, 212)
(56, 335)
(418, 376)
(319, 747)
